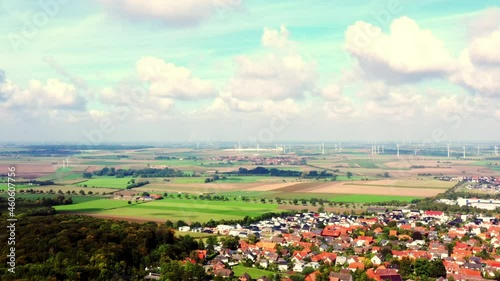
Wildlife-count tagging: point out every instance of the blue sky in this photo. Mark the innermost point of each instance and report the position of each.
(231, 70)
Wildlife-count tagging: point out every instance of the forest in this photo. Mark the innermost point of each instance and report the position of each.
(50, 246)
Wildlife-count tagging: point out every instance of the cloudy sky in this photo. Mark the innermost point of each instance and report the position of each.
(249, 70)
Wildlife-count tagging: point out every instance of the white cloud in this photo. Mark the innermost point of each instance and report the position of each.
(272, 77)
(480, 78)
(408, 53)
(484, 50)
(389, 101)
(170, 81)
(172, 12)
(485, 22)
(53, 94)
(275, 38)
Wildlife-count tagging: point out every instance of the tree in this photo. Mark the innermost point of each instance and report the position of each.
(437, 269)
(230, 242)
(180, 223)
(211, 242)
(386, 175)
(349, 175)
(422, 267)
(417, 235)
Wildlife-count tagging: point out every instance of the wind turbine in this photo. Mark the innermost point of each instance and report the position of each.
(464, 151)
(397, 145)
(448, 150)
(496, 150)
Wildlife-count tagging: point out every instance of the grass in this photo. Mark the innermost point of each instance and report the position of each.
(365, 198)
(110, 182)
(254, 272)
(196, 235)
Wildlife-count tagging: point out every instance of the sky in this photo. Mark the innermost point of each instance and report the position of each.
(251, 71)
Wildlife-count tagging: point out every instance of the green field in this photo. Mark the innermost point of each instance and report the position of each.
(230, 179)
(110, 182)
(247, 179)
(108, 163)
(75, 198)
(173, 209)
(254, 272)
(92, 206)
(4, 186)
(364, 198)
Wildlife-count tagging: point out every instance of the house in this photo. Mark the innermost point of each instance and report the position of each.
(282, 265)
(331, 231)
(184, 228)
(224, 272)
(355, 266)
(152, 276)
(340, 260)
(312, 276)
(382, 274)
(340, 276)
(377, 259)
(298, 266)
(245, 277)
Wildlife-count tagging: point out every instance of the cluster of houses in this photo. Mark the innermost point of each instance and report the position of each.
(260, 160)
(476, 182)
(302, 243)
(487, 204)
(133, 195)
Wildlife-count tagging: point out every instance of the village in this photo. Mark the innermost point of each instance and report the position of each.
(383, 246)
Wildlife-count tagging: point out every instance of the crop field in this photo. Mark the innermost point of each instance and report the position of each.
(172, 209)
(408, 183)
(364, 198)
(4, 186)
(75, 198)
(92, 206)
(109, 182)
(107, 163)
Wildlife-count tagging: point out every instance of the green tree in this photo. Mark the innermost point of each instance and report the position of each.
(349, 175)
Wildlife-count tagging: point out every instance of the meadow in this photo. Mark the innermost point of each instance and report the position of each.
(109, 182)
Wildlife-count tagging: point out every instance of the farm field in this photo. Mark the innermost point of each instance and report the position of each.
(362, 198)
(109, 182)
(92, 206)
(75, 198)
(172, 209)
(4, 186)
(409, 183)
